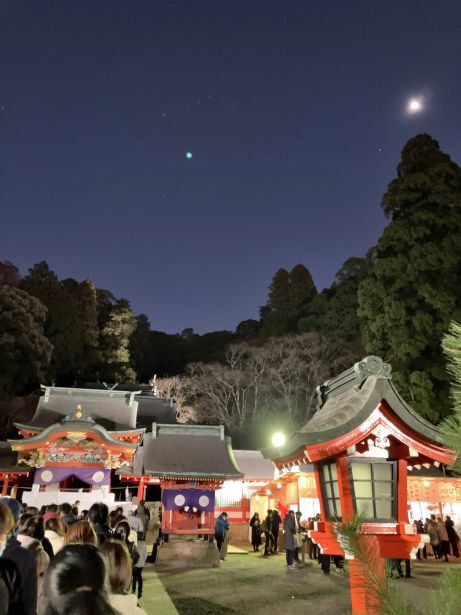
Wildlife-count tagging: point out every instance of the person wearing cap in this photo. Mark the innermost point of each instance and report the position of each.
(24, 564)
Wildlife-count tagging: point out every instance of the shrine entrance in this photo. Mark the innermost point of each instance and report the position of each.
(74, 483)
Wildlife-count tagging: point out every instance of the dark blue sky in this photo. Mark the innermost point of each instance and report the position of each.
(294, 112)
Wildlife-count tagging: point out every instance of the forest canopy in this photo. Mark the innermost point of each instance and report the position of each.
(396, 301)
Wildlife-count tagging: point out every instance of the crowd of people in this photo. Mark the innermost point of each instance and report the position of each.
(296, 541)
(443, 538)
(56, 561)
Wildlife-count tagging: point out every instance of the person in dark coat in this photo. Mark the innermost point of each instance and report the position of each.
(276, 521)
(269, 537)
(255, 525)
(289, 531)
(220, 528)
(452, 535)
(21, 567)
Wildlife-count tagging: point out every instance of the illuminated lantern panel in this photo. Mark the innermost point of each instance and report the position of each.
(374, 489)
(331, 497)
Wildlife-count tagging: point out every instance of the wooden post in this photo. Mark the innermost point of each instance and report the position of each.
(5, 486)
(364, 595)
(402, 501)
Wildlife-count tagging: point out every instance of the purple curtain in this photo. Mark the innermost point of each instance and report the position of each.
(91, 476)
(174, 499)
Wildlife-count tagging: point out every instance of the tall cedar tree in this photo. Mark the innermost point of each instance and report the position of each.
(89, 330)
(333, 312)
(24, 350)
(289, 297)
(451, 426)
(115, 344)
(62, 325)
(412, 290)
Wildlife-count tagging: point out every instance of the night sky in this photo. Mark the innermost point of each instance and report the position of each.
(294, 113)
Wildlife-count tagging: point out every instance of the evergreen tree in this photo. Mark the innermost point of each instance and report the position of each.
(25, 352)
(89, 331)
(63, 324)
(9, 274)
(116, 339)
(412, 290)
(302, 291)
(451, 426)
(334, 311)
(277, 315)
(289, 296)
(141, 349)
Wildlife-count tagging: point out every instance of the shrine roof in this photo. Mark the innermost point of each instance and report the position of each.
(254, 465)
(345, 402)
(73, 425)
(189, 451)
(112, 409)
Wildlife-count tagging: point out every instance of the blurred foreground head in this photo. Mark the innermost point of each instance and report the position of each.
(75, 582)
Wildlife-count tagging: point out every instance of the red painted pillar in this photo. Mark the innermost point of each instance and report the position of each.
(5, 486)
(345, 489)
(141, 490)
(364, 582)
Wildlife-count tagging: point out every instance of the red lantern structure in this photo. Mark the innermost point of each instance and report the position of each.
(361, 440)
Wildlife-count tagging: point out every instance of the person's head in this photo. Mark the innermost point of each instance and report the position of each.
(42, 510)
(98, 514)
(122, 531)
(224, 516)
(81, 532)
(33, 510)
(6, 525)
(256, 515)
(119, 510)
(53, 524)
(298, 515)
(75, 582)
(23, 518)
(14, 506)
(65, 509)
(291, 513)
(33, 527)
(24, 507)
(74, 511)
(432, 517)
(119, 568)
(52, 508)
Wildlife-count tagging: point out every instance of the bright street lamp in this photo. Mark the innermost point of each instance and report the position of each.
(278, 439)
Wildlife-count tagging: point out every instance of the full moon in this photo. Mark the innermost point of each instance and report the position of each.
(414, 105)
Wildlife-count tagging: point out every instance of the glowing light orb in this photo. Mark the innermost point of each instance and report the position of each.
(415, 105)
(278, 439)
(189, 155)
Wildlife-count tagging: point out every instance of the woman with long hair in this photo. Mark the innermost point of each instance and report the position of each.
(30, 535)
(75, 583)
(255, 524)
(122, 533)
(54, 532)
(119, 569)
